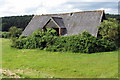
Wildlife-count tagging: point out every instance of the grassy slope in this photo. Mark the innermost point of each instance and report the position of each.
(38, 63)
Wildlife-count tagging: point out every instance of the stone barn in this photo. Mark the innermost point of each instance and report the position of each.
(67, 23)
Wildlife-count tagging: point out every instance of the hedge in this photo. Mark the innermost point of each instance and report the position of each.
(5, 34)
(49, 41)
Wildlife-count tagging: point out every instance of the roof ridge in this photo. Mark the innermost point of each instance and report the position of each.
(57, 17)
(71, 12)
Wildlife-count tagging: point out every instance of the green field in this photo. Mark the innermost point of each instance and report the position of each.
(35, 63)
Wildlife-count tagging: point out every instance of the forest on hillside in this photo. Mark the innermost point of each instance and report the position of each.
(18, 21)
(22, 21)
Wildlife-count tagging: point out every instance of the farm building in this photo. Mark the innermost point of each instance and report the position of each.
(67, 23)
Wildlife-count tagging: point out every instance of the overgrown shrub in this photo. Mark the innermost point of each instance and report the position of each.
(39, 39)
(110, 29)
(5, 34)
(47, 40)
(15, 32)
(85, 43)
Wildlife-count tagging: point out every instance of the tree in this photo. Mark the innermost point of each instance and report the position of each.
(18, 21)
(109, 29)
(15, 32)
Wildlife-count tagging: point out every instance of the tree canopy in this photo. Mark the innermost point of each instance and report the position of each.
(18, 21)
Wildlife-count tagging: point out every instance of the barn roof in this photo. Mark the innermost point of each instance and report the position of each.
(59, 21)
(75, 22)
(55, 21)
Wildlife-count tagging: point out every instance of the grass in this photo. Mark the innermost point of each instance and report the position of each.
(35, 63)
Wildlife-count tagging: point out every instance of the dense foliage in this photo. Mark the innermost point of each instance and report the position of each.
(5, 34)
(18, 21)
(110, 29)
(85, 42)
(14, 32)
(39, 39)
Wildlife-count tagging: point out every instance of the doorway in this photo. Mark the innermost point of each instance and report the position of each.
(57, 31)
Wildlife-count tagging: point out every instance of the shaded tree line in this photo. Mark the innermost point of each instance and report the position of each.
(18, 21)
(116, 16)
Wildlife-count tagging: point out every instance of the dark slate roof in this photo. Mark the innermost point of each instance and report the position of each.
(59, 21)
(75, 22)
(50, 24)
(54, 22)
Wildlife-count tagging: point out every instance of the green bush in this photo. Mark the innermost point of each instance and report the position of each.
(110, 29)
(48, 40)
(15, 32)
(85, 43)
(39, 39)
(5, 34)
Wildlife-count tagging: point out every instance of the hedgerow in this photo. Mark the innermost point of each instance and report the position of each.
(39, 39)
(49, 41)
(84, 43)
(5, 34)
(14, 32)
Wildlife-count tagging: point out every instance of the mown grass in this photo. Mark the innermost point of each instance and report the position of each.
(35, 63)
